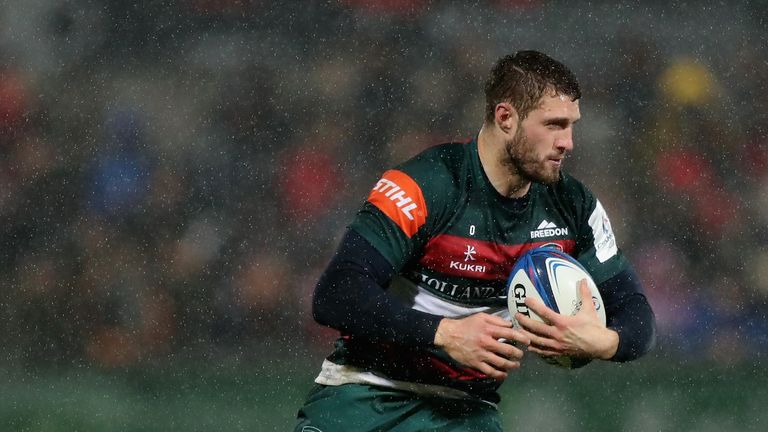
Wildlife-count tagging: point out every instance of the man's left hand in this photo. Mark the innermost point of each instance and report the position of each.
(580, 335)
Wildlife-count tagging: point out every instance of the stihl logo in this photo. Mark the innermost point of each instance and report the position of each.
(392, 191)
(399, 197)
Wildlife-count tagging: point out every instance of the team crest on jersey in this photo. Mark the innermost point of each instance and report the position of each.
(553, 245)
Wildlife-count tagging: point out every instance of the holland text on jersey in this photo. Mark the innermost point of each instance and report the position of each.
(456, 291)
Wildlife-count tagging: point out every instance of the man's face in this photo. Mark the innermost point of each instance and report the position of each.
(537, 150)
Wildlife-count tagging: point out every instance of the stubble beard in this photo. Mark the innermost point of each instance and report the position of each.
(523, 161)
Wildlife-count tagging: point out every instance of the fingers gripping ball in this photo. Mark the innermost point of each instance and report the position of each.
(553, 277)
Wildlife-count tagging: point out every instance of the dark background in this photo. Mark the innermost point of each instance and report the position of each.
(174, 176)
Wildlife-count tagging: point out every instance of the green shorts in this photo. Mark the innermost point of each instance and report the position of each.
(360, 408)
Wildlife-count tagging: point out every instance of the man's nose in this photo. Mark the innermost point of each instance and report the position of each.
(565, 142)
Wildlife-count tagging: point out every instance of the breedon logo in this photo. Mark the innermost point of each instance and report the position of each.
(548, 229)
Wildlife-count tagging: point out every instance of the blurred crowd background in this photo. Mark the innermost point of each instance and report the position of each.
(174, 175)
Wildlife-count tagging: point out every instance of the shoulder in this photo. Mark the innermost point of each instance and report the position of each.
(439, 162)
(572, 187)
(439, 171)
(591, 220)
(574, 198)
(573, 193)
(423, 188)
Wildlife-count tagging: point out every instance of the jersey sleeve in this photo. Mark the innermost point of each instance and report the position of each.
(596, 244)
(407, 204)
(393, 213)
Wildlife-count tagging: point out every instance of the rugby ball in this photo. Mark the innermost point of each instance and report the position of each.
(553, 277)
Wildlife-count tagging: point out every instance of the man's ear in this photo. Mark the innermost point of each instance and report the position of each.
(505, 117)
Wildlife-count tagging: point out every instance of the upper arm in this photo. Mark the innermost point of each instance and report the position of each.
(394, 212)
(407, 205)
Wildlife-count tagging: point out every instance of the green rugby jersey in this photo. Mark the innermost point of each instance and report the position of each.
(452, 240)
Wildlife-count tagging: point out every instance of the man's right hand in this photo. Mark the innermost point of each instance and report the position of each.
(475, 341)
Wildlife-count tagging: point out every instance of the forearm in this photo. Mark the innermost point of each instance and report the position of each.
(629, 314)
(635, 324)
(351, 297)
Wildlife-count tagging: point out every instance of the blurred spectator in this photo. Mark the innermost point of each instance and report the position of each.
(174, 176)
(120, 173)
(397, 7)
(13, 101)
(309, 178)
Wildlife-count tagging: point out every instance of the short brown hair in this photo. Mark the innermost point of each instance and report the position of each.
(523, 78)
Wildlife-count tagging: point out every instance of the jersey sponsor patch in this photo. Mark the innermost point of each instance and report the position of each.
(478, 259)
(399, 197)
(605, 241)
(548, 229)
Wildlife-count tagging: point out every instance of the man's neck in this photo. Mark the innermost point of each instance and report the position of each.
(490, 149)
